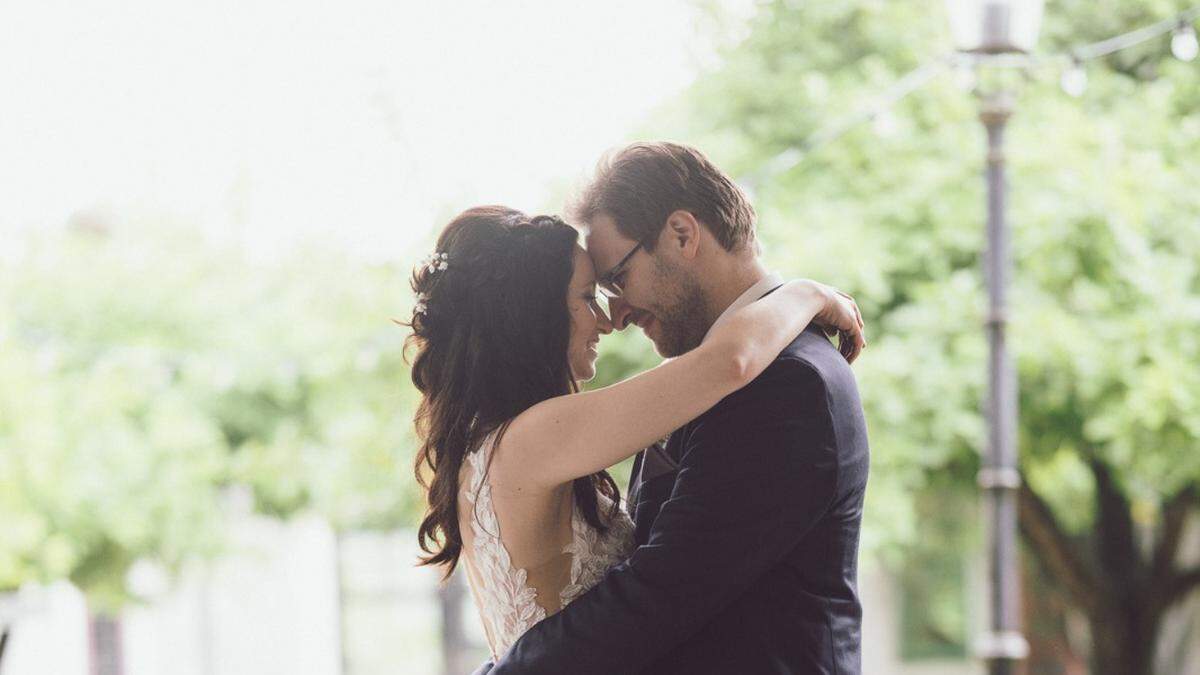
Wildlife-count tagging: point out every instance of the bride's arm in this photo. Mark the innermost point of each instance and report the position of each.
(574, 435)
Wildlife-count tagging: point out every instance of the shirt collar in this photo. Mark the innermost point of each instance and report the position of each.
(751, 294)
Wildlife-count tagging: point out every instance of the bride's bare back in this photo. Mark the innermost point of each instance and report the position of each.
(527, 553)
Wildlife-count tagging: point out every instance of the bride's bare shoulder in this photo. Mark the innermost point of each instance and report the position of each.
(512, 449)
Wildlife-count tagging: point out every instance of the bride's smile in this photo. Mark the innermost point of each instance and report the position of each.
(515, 455)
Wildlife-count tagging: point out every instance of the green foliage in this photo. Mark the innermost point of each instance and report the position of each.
(1106, 239)
(144, 371)
(1105, 295)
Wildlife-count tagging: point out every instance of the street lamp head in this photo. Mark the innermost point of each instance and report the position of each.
(995, 26)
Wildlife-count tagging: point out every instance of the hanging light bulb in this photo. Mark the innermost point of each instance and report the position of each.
(1074, 80)
(1183, 42)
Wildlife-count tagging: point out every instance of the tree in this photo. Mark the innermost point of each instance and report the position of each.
(145, 370)
(1106, 287)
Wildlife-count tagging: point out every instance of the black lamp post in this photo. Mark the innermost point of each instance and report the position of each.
(988, 29)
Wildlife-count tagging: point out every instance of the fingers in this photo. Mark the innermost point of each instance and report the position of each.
(857, 313)
(851, 344)
(844, 318)
(852, 338)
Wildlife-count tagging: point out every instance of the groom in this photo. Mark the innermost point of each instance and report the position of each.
(747, 519)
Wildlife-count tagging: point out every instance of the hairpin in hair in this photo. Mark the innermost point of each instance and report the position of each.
(436, 261)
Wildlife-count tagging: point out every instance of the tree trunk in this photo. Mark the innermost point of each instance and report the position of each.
(1124, 592)
(104, 638)
(1125, 628)
(1123, 643)
(1048, 622)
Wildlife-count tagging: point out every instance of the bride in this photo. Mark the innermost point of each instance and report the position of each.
(513, 454)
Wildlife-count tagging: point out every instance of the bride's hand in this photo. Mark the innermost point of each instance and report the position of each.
(840, 314)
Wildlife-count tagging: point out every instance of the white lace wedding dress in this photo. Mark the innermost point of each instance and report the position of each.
(507, 602)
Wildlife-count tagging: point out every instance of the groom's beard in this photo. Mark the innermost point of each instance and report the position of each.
(681, 311)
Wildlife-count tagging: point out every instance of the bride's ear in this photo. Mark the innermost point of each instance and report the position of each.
(682, 234)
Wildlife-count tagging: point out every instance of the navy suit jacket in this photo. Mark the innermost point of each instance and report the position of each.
(747, 525)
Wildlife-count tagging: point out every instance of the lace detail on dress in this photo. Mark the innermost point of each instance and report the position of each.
(592, 553)
(508, 604)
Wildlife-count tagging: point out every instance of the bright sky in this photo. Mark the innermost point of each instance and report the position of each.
(364, 121)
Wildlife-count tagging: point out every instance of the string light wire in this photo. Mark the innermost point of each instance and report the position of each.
(1180, 25)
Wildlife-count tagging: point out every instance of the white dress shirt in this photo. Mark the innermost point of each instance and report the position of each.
(751, 294)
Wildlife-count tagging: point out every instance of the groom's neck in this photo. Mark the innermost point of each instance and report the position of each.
(729, 279)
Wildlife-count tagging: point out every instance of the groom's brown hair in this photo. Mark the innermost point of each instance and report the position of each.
(641, 184)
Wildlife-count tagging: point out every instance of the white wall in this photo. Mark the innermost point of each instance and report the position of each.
(50, 634)
(267, 608)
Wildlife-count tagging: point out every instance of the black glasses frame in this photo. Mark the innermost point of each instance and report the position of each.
(607, 283)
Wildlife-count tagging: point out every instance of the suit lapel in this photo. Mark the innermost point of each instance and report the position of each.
(659, 460)
(635, 485)
(651, 482)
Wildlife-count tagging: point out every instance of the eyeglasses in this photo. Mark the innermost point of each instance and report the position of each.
(608, 284)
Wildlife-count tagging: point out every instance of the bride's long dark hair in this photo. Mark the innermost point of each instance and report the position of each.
(490, 342)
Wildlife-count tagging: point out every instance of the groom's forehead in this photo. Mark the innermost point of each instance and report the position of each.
(605, 244)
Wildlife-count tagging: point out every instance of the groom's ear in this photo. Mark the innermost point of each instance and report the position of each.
(682, 233)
